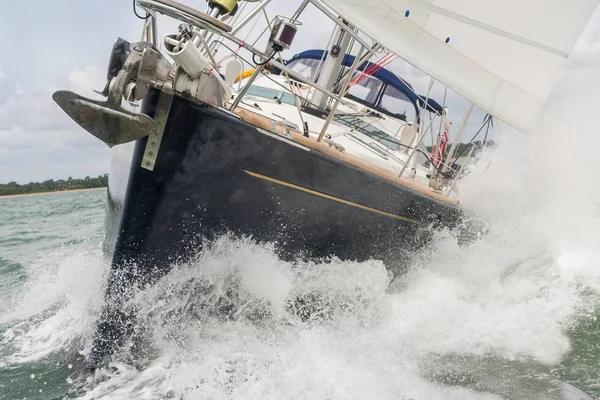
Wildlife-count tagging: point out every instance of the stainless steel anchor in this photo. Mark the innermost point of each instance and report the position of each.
(108, 120)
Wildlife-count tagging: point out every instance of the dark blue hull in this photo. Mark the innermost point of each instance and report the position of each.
(217, 174)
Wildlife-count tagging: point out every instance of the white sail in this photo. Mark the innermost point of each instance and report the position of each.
(503, 55)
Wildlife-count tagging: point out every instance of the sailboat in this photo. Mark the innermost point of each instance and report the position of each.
(322, 154)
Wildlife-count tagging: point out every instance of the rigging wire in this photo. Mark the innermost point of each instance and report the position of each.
(488, 121)
(487, 130)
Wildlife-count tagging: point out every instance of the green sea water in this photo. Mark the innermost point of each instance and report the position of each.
(39, 236)
(447, 330)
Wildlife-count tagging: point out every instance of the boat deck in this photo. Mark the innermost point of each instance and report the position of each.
(265, 123)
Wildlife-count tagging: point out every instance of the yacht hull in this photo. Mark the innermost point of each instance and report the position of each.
(216, 174)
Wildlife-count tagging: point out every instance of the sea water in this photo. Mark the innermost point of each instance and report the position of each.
(508, 314)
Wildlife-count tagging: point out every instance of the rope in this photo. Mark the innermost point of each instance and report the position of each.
(235, 53)
(373, 68)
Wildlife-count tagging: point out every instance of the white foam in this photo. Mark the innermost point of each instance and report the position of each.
(59, 305)
(352, 352)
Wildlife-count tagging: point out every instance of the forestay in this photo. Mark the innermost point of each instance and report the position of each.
(503, 55)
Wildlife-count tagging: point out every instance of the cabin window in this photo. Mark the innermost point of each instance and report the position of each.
(308, 68)
(358, 124)
(271, 94)
(395, 102)
(367, 89)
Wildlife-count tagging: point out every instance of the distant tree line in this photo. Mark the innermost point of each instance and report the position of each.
(51, 185)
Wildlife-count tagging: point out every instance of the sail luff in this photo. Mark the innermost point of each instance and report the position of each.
(503, 56)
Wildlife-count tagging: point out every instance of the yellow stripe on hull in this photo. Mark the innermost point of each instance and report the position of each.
(329, 197)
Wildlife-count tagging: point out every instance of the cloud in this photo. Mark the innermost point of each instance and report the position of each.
(81, 80)
(39, 141)
(7, 88)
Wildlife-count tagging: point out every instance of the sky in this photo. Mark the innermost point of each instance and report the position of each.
(65, 44)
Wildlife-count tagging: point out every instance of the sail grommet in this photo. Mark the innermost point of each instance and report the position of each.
(447, 39)
(407, 13)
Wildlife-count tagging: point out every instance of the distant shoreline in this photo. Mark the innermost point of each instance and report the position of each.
(54, 192)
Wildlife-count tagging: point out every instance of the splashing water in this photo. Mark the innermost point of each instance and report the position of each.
(507, 316)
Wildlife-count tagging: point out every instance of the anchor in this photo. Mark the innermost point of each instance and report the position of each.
(108, 120)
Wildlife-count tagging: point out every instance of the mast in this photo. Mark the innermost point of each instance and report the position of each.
(332, 66)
